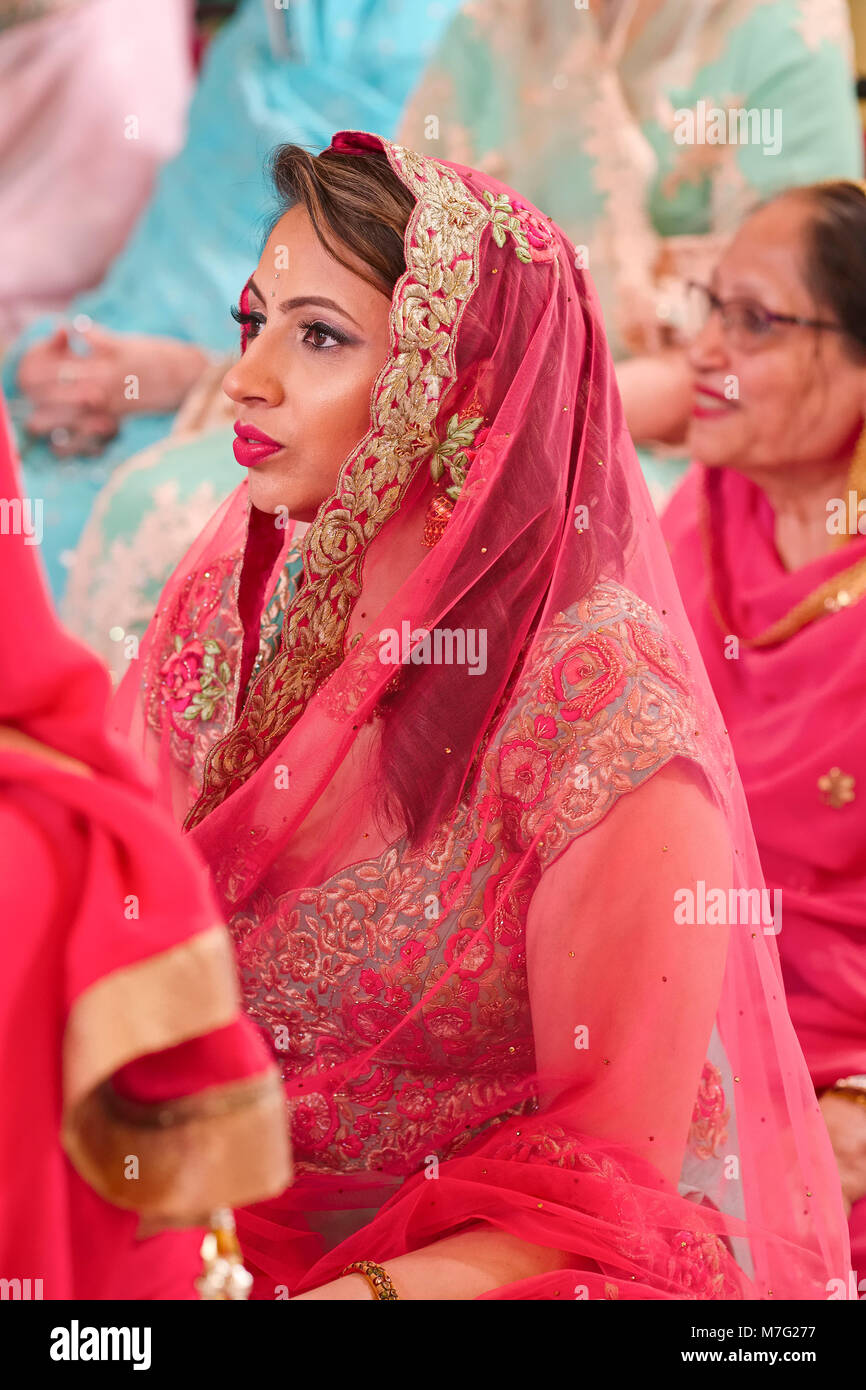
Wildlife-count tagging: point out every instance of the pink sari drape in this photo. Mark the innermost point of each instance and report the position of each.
(118, 998)
(794, 712)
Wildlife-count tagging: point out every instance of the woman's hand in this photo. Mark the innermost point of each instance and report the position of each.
(79, 397)
(657, 396)
(846, 1125)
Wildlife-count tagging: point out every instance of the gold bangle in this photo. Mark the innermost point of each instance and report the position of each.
(378, 1278)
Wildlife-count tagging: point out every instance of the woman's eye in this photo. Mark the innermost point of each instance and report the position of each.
(754, 320)
(320, 335)
(252, 321)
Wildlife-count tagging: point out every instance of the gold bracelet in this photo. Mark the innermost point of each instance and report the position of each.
(378, 1278)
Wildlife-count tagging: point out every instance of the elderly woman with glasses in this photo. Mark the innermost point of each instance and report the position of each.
(767, 534)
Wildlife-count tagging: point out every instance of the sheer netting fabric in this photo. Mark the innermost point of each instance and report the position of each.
(484, 851)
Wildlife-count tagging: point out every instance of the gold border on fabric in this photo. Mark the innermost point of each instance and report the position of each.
(226, 1145)
(16, 741)
(153, 1004)
(442, 246)
(176, 1162)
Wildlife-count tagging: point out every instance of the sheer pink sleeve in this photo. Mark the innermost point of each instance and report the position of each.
(618, 989)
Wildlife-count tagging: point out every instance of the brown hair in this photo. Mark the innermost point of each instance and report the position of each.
(357, 205)
(835, 262)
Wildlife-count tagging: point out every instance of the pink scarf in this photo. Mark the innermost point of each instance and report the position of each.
(117, 994)
(794, 712)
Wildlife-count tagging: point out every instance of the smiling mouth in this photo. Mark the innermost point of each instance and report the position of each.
(710, 404)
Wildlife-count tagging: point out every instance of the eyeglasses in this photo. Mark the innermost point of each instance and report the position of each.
(746, 323)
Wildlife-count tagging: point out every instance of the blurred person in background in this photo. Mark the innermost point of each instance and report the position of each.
(162, 313)
(93, 99)
(137, 1097)
(602, 114)
(767, 534)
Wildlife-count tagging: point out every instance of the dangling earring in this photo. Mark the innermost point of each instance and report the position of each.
(857, 485)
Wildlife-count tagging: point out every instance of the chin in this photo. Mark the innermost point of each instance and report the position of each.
(712, 445)
(267, 497)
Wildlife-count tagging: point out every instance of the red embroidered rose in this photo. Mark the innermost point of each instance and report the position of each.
(367, 1126)
(415, 1102)
(371, 981)
(397, 996)
(589, 677)
(451, 895)
(545, 726)
(313, 1122)
(352, 1145)
(411, 951)
(374, 1021)
(300, 959)
(524, 771)
(472, 952)
(539, 233)
(448, 1022)
(698, 1264)
(468, 991)
(180, 679)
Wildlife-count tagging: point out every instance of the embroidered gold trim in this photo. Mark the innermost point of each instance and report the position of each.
(225, 1146)
(15, 741)
(158, 1002)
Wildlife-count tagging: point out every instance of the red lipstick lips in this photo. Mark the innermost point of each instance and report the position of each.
(252, 445)
(710, 404)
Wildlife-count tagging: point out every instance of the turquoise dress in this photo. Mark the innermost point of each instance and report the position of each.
(270, 75)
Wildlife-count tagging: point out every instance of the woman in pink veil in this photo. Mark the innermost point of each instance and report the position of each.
(425, 697)
(767, 535)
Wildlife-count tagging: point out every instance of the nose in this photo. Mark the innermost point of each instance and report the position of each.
(252, 380)
(708, 349)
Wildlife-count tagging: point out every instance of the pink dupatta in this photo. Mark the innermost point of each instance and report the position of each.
(137, 1089)
(794, 712)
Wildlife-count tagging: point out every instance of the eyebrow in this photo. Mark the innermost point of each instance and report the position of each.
(300, 300)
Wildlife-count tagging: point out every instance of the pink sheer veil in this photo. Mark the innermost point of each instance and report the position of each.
(597, 1062)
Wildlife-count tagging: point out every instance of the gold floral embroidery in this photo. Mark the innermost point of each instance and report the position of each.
(534, 237)
(451, 453)
(442, 241)
(837, 788)
(332, 968)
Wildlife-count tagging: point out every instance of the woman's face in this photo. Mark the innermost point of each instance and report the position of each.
(800, 399)
(318, 338)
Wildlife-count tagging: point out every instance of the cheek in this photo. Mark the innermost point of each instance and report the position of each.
(338, 409)
(778, 394)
